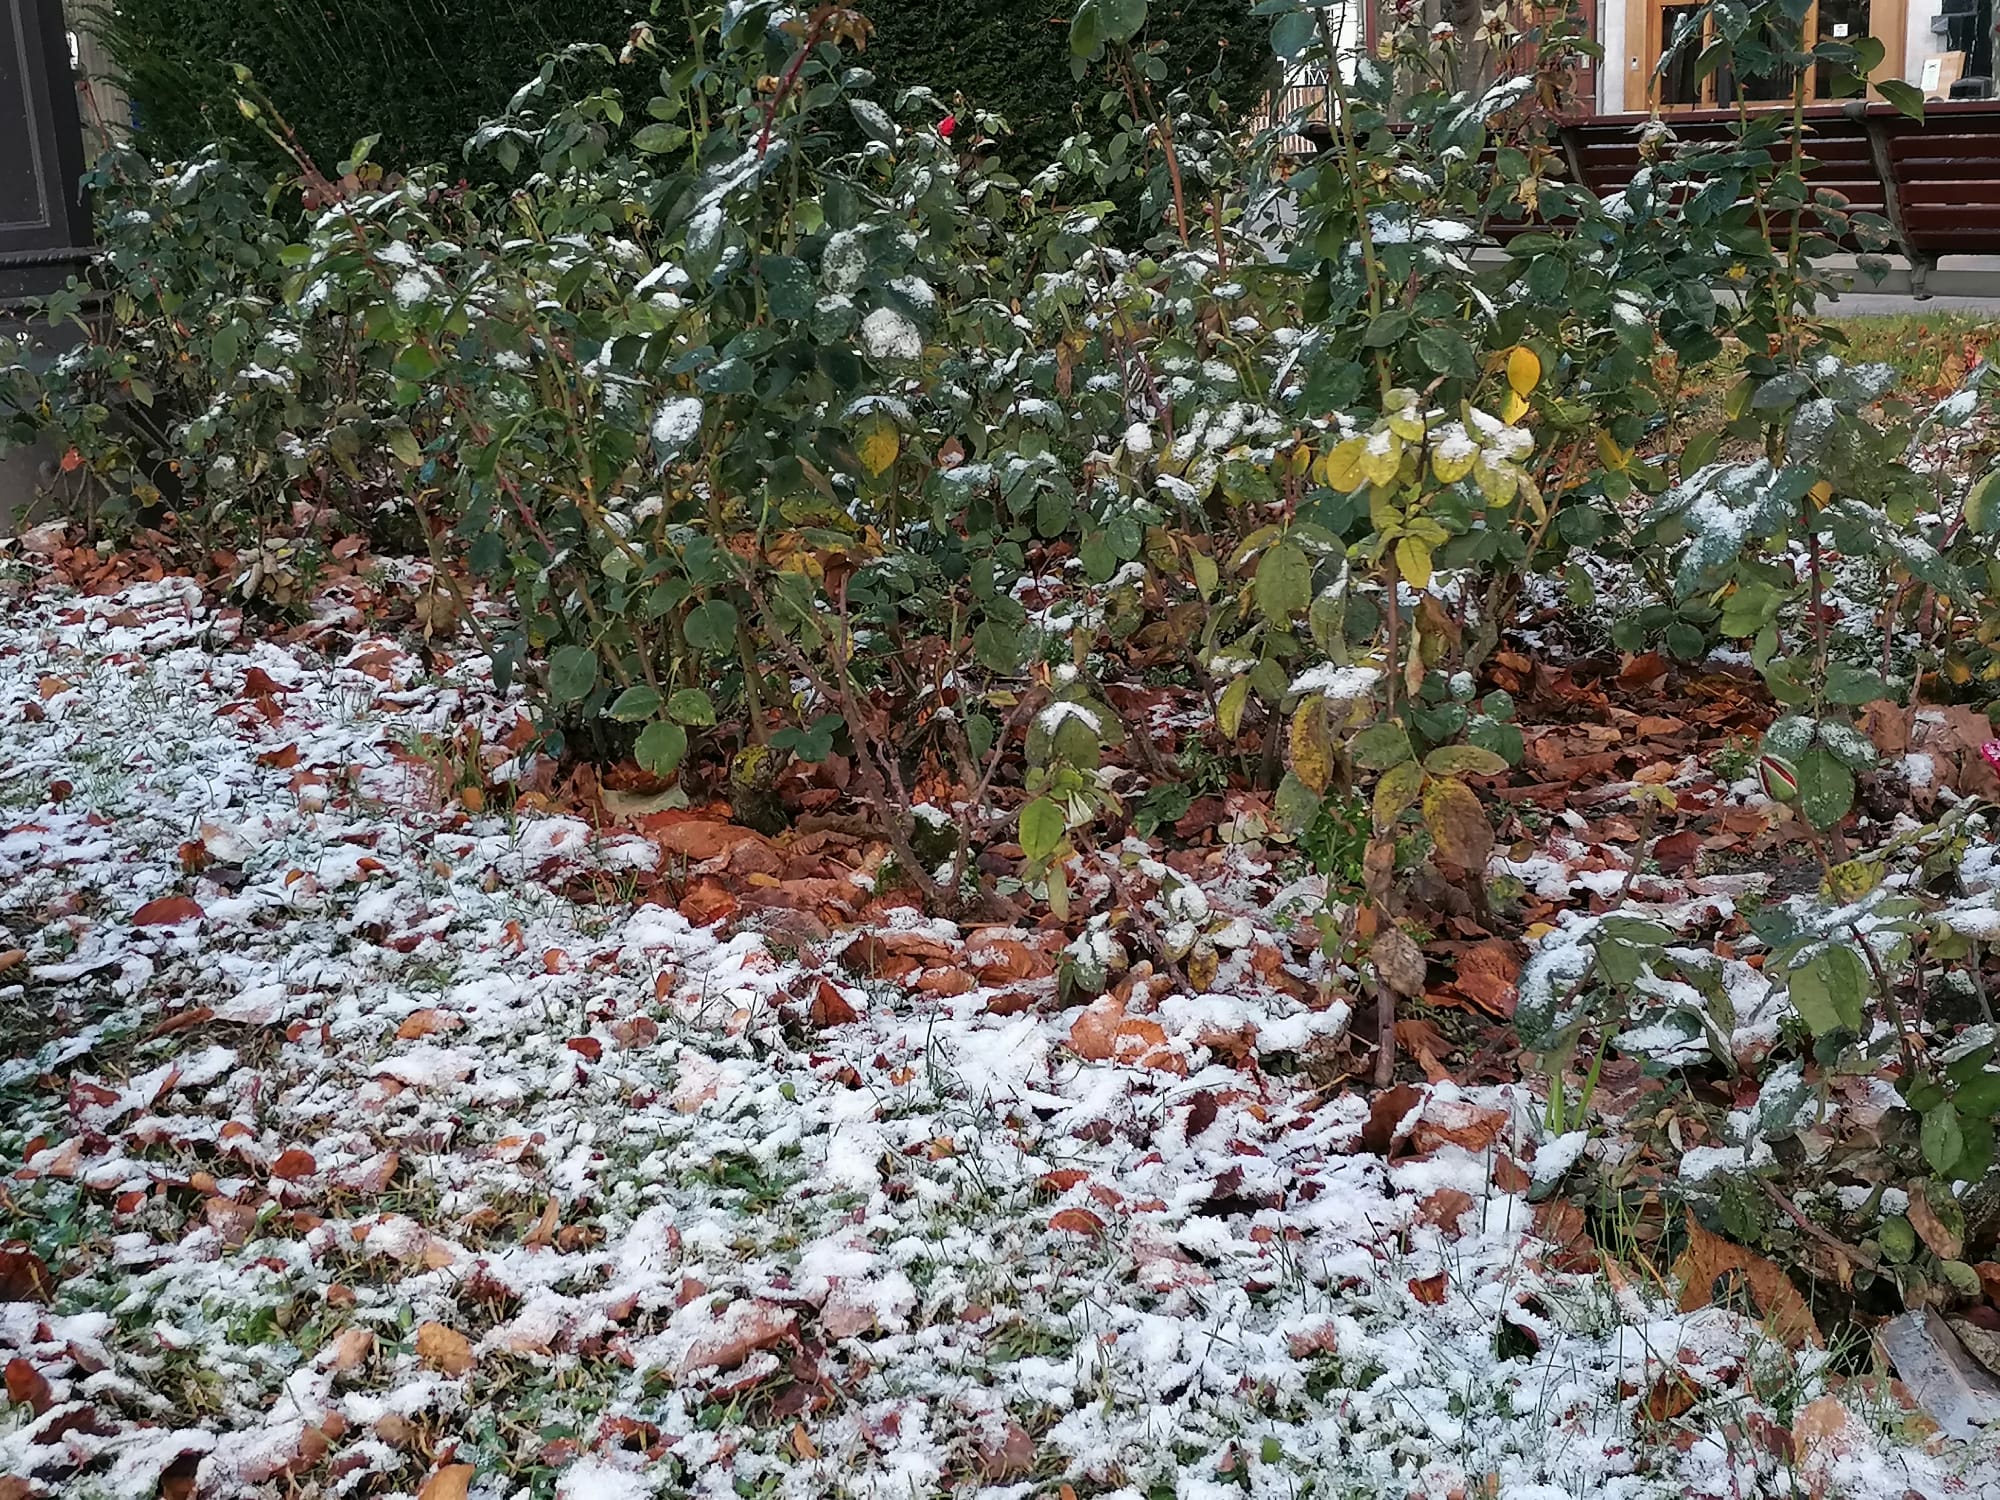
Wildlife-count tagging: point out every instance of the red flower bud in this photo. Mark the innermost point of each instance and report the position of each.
(1778, 777)
(947, 125)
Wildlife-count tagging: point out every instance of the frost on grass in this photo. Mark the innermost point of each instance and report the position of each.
(380, 1148)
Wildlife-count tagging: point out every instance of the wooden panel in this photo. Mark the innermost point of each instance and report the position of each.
(43, 219)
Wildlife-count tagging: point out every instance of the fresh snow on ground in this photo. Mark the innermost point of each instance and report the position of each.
(373, 1148)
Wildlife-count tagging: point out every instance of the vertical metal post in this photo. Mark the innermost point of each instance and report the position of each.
(44, 220)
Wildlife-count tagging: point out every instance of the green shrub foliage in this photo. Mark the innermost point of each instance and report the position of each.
(789, 427)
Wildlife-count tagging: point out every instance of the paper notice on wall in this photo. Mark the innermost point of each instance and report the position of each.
(1933, 72)
(1839, 30)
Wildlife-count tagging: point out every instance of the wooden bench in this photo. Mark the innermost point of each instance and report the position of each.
(1936, 180)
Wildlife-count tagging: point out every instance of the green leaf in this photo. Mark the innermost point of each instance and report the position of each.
(1292, 33)
(1385, 329)
(1828, 991)
(1906, 98)
(640, 701)
(1206, 574)
(1979, 1096)
(979, 735)
(414, 362)
(1942, 1140)
(1042, 828)
(874, 119)
(1380, 746)
(1982, 505)
(1284, 581)
(660, 748)
(572, 674)
(1121, 19)
(1086, 31)
(1464, 760)
(1897, 1239)
(655, 138)
(788, 285)
(403, 443)
(1852, 685)
(997, 646)
(691, 706)
(1295, 804)
(711, 626)
(1446, 353)
(1826, 788)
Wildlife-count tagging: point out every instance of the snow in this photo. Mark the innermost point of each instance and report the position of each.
(677, 424)
(781, 1258)
(888, 335)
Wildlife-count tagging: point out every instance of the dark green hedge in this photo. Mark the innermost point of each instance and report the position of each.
(423, 72)
(420, 72)
(1013, 58)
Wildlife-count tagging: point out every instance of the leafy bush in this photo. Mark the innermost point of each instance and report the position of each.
(800, 432)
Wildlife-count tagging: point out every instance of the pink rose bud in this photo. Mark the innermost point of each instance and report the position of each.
(947, 125)
(1991, 750)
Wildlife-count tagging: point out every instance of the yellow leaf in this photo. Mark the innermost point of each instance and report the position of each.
(1383, 513)
(1613, 456)
(1413, 561)
(1229, 712)
(1452, 460)
(1312, 743)
(1397, 789)
(1340, 468)
(1408, 424)
(1513, 408)
(1524, 369)
(1821, 493)
(1457, 821)
(1737, 401)
(1497, 481)
(878, 445)
(1381, 457)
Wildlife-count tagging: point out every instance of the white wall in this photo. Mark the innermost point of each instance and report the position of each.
(1618, 65)
(1919, 42)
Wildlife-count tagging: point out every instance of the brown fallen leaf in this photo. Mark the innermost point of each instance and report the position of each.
(349, 1349)
(1399, 961)
(739, 1331)
(1444, 1208)
(830, 1008)
(1709, 1259)
(179, 1021)
(24, 1275)
(425, 1022)
(1943, 1233)
(1677, 851)
(1487, 976)
(449, 1483)
(1428, 1289)
(167, 911)
(27, 1386)
(1077, 1221)
(543, 1234)
(444, 1349)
